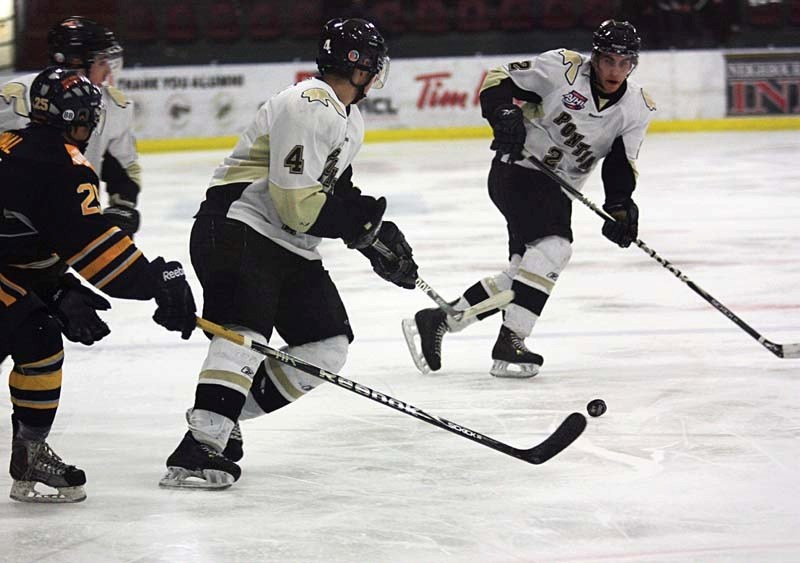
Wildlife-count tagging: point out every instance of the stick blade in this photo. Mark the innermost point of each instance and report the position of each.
(569, 431)
(790, 351)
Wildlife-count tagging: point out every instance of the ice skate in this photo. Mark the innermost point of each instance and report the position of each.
(234, 449)
(430, 325)
(512, 358)
(194, 465)
(35, 463)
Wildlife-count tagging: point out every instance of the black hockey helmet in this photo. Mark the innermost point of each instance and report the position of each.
(347, 44)
(76, 42)
(64, 98)
(617, 37)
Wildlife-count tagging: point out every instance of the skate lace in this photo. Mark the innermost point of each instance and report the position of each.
(439, 334)
(518, 342)
(236, 433)
(48, 461)
(208, 450)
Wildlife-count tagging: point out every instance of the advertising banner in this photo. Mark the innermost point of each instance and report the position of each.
(763, 83)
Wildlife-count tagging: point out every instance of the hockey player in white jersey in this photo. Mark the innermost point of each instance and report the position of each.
(82, 44)
(254, 246)
(571, 111)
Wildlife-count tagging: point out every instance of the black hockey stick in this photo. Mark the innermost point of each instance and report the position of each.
(496, 301)
(564, 435)
(780, 350)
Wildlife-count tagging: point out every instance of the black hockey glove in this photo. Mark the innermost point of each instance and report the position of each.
(625, 228)
(176, 309)
(391, 256)
(374, 210)
(123, 214)
(509, 131)
(74, 305)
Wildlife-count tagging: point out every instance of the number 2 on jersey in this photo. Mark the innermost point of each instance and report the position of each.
(91, 203)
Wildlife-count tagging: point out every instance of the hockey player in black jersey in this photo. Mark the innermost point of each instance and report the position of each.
(51, 220)
(93, 50)
(286, 185)
(569, 111)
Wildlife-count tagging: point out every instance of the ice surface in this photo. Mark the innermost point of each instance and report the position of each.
(696, 459)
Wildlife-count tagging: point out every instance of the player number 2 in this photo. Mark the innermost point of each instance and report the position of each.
(91, 203)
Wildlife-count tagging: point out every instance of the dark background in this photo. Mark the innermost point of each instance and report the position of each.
(181, 32)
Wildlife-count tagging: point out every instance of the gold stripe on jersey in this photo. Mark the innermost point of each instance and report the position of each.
(101, 262)
(92, 245)
(8, 141)
(19, 289)
(299, 208)
(118, 270)
(246, 171)
(323, 96)
(134, 172)
(39, 264)
(493, 78)
(6, 299)
(77, 156)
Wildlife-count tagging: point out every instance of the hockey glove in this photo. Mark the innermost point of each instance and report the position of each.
(123, 214)
(509, 131)
(625, 227)
(74, 305)
(391, 256)
(175, 304)
(374, 210)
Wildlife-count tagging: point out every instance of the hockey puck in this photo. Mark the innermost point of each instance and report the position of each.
(596, 407)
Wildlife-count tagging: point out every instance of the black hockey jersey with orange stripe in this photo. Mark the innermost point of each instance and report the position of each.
(50, 214)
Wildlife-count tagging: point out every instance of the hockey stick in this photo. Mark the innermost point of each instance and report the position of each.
(567, 432)
(496, 301)
(780, 350)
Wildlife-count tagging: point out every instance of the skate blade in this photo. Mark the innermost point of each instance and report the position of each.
(410, 333)
(25, 491)
(207, 479)
(514, 371)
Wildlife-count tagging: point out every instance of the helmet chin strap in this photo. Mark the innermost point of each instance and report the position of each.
(360, 88)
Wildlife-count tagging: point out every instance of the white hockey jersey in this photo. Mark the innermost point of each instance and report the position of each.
(115, 135)
(567, 130)
(292, 152)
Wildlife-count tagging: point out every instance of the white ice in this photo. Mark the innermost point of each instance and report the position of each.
(697, 458)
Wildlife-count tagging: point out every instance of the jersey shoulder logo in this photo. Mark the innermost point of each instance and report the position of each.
(77, 156)
(648, 101)
(573, 62)
(16, 94)
(118, 96)
(322, 96)
(574, 100)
